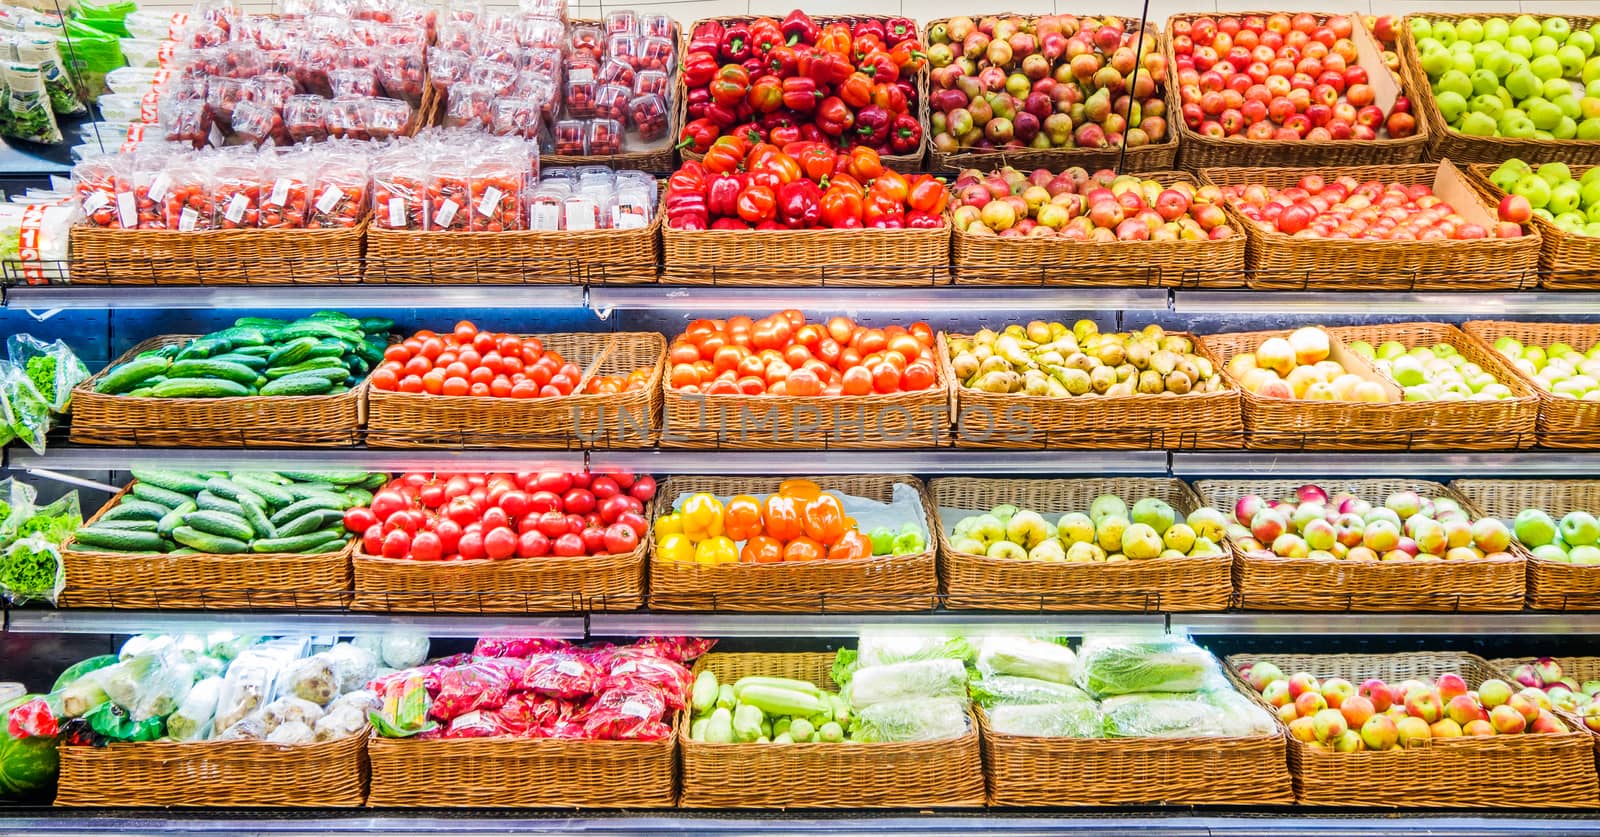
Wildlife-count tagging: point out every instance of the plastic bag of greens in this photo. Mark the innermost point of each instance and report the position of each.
(997, 689)
(192, 721)
(1026, 657)
(30, 571)
(41, 50)
(1192, 714)
(906, 681)
(164, 690)
(920, 719)
(90, 55)
(23, 408)
(117, 724)
(881, 649)
(54, 521)
(16, 506)
(28, 114)
(1048, 720)
(105, 17)
(1119, 666)
(53, 368)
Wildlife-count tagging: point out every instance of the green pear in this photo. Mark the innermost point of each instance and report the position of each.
(1154, 513)
(1107, 505)
(1075, 527)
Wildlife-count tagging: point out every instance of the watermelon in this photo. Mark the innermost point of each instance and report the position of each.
(28, 766)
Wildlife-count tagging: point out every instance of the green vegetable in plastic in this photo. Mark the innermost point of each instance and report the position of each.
(115, 723)
(31, 571)
(1111, 666)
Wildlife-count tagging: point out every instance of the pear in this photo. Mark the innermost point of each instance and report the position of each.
(1111, 354)
(1101, 379)
(1028, 528)
(1079, 360)
(1082, 329)
(1109, 532)
(1126, 372)
(1163, 361)
(1075, 527)
(1007, 550)
(1050, 550)
(1039, 332)
(1084, 552)
(988, 529)
(1004, 512)
(964, 365)
(985, 337)
(1075, 381)
(994, 363)
(1150, 382)
(1178, 383)
(1107, 505)
(1138, 353)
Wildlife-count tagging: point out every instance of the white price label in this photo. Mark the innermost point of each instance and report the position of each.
(446, 214)
(571, 668)
(280, 192)
(216, 137)
(127, 211)
(95, 200)
(330, 199)
(491, 198)
(581, 215)
(236, 207)
(544, 217)
(635, 709)
(188, 219)
(397, 213)
(159, 187)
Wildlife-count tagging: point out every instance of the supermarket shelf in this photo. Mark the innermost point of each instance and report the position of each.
(989, 463)
(909, 300)
(135, 621)
(81, 458)
(850, 624)
(1441, 465)
(1318, 303)
(309, 297)
(1175, 824)
(1385, 624)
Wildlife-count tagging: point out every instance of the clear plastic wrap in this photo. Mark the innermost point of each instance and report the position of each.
(251, 679)
(905, 681)
(305, 117)
(25, 411)
(496, 188)
(31, 571)
(449, 194)
(236, 188)
(293, 732)
(1117, 666)
(339, 722)
(1184, 715)
(1026, 657)
(27, 112)
(192, 720)
(340, 190)
(43, 51)
(288, 709)
(919, 719)
(1080, 719)
(403, 649)
(285, 178)
(188, 194)
(399, 191)
(310, 679)
(353, 666)
(997, 689)
(53, 367)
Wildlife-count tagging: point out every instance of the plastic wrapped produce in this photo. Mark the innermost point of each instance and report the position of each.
(290, 709)
(190, 192)
(997, 689)
(53, 367)
(1026, 657)
(564, 676)
(449, 195)
(1191, 714)
(627, 713)
(340, 722)
(1077, 719)
(346, 118)
(404, 649)
(285, 183)
(27, 114)
(252, 728)
(495, 191)
(24, 410)
(387, 118)
(42, 50)
(311, 679)
(31, 571)
(340, 190)
(400, 71)
(353, 666)
(1118, 666)
(918, 719)
(904, 681)
(192, 720)
(305, 117)
(399, 190)
(249, 684)
(293, 732)
(236, 189)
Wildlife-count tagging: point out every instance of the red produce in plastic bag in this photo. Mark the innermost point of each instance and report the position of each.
(640, 670)
(561, 676)
(631, 713)
(470, 687)
(680, 649)
(526, 646)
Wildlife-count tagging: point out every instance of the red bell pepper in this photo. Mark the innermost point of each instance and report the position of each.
(757, 203)
(883, 212)
(799, 28)
(764, 35)
(686, 211)
(766, 94)
(707, 37)
(799, 204)
(927, 194)
(690, 177)
(698, 135)
(905, 135)
(699, 68)
(864, 44)
(735, 43)
(919, 220)
(841, 207)
(835, 38)
(816, 159)
(892, 185)
(732, 223)
(809, 132)
(856, 90)
(730, 86)
(722, 194)
(755, 65)
(721, 115)
(725, 154)
(897, 29)
(834, 117)
(781, 128)
(782, 61)
(908, 56)
(828, 68)
(889, 97)
(800, 94)
(862, 163)
(879, 66)
(767, 158)
(870, 26)
(698, 100)
(872, 125)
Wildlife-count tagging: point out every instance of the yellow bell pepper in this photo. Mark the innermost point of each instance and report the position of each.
(675, 547)
(702, 517)
(716, 550)
(669, 524)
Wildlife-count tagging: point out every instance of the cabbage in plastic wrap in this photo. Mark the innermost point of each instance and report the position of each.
(919, 719)
(252, 728)
(352, 665)
(1077, 719)
(997, 689)
(310, 679)
(906, 681)
(404, 650)
(1184, 715)
(192, 721)
(289, 709)
(881, 649)
(341, 720)
(1026, 657)
(1118, 666)
(292, 732)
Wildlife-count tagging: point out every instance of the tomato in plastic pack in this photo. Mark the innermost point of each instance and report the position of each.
(222, 96)
(401, 70)
(239, 61)
(447, 68)
(496, 75)
(449, 195)
(313, 60)
(544, 8)
(632, 669)
(517, 646)
(516, 117)
(656, 26)
(457, 36)
(271, 89)
(398, 188)
(496, 195)
(236, 185)
(347, 118)
(568, 137)
(353, 82)
(652, 82)
(617, 71)
(603, 137)
(387, 118)
(258, 122)
(655, 54)
(626, 713)
(611, 102)
(285, 203)
(469, 688)
(622, 20)
(589, 40)
(544, 61)
(340, 192)
(580, 91)
(279, 62)
(538, 31)
(648, 113)
(186, 122)
(305, 117)
(680, 649)
(469, 106)
(189, 205)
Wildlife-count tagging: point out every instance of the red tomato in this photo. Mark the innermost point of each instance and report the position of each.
(841, 329)
(463, 510)
(856, 381)
(594, 540)
(465, 331)
(514, 502)
(471, 546)
(396, 544)
(449, 533)
(532, 545)
(387, 502)
(643, 488)
(385, 380)
(553, 524)
(917, 377)
(803, 382)
(432, 495)
(397, 352)
(495, 516)
(885, 378)
(372, 539)
(411, 383)
(427, 546)
(569, 545)
(620, 538)
(500, 543)
(359, 519)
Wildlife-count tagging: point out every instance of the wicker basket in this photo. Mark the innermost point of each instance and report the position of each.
(1552, 585)
(216, 257)
(1026, 770)
(992, 260)
(1444, 141)
(903, 163)
(522, 257)
(1280, 262)
(549, 584)
(145, 581)
(522, 773)
(630, 419)
(1197, 151)
(1563, 422)
(1193, 421)
(1158, 584)
(323, 421)
(1578, 668)
(420, 420)
(215, 774)
(789, 422)
(1302, 424)
(1567, 262)
(1502, 771)
(921, 774)
(824, 257)
(1154, 157)
(1267, 582)
(882, 583)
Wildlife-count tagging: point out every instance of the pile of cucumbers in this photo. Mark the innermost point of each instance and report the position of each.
(325, 353)
(220, 513)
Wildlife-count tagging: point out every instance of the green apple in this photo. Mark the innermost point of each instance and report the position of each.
(1391, 349)
(1107, 505)
(1516, 126)
(1526, 26)
(1435, 62)
(1572, 59)
(1496, 29)
(1543, 113)
(1551, 552)
(1535, 188)
(1470, 30)
(1484, 82)
(1589, 129)
(1452, 105)
(1522, 83)
(1420, 28)
(1565, 198)
(1444, 32)
(1556, 88)
(1075, 527)
(1507, 173)
(1592, 216)
(1585, 555)
(1545, 67)
(1589, 192)
(1565, 129)
(1579, 528)
(1454, 81)
(1461, 57)
(1568, 105)
(1557, 27)
(1534, 528)
(1545, 45)
(1520, 45)
(1154, 513)
(1489, 106)
(1554, 173)
(1593, 227)
(1584, 41)
(1500, 62)
(1591, 70)
(1485, 50)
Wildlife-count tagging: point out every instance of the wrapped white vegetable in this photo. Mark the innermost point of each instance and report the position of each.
(360, 699)
(919, 719)
(252, 728)
(341, 720)
(310, 679)
(290, 709)
(353, 665)
(1117, 666)
(122, 681)
(1048, 720)
(1194, 714)
(1026, 657)
(906, 681)
(293, 732)
(875, 649)
(192, 721)
(997, 689)
(249, 684)
(164, 689)
(404, 650)
(84, 694)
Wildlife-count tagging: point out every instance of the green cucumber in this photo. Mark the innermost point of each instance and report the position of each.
(210, 501)
(156, 494)
(261, 352)
(333, 545)
(128, 376)
(256, 516)
(292, 352)
(310, 522)
(183, 482)
(242, 336)
(273, 493)
(141, 392)
(135, 509)
(213, 368)
(329, 348)
(207, 542)
(377, 325)
(254, 362)
(375, 481)
(275, 372)
(317, 329)
(200, 388)
(128, 525)
(314, 491)
(336, 477)
(293, 543)
(204, 347)
(261, 323)
(173, 519)
(301, 508)
(333, 317)
(121, 540)
(358, 496)
(221, 524)
(231, 490)
(294, 385)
